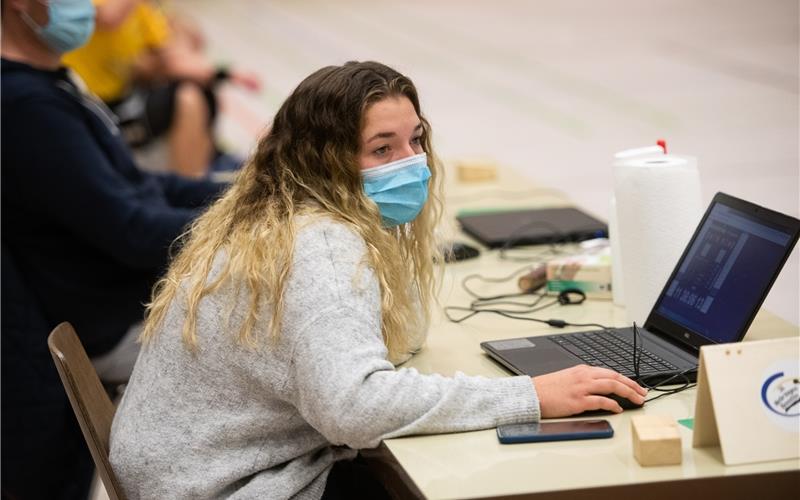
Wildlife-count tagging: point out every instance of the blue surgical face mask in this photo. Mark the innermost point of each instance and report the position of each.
(399, 188)
(70, 24)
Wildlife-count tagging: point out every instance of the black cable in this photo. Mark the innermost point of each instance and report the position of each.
(668, 392)
(498, 300)
(516, 307)
(666, 381)
(486, 279)
(481, 303)
(637, 353)
(642, 380)
(557, 323)
(502, 312)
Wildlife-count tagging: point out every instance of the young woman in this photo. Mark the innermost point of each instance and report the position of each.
(270, 346)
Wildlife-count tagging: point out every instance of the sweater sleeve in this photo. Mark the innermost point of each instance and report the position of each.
(190, 193)
(342, 382)
(350, 393)
(75, 184)
(417, 336)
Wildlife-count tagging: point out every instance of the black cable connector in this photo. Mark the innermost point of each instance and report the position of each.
(558, 323)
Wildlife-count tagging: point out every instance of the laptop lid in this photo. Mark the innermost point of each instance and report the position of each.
(532, 226)
(724, 274)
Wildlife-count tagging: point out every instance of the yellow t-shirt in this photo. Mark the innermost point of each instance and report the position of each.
(106, 62)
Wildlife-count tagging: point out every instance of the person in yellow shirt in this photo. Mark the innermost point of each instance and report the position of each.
(152, 73)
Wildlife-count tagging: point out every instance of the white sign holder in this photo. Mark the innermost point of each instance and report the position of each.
(748, 400)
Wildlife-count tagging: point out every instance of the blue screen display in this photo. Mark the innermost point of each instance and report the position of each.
(724, 274)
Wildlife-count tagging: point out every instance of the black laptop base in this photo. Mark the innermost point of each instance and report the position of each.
(534, 356)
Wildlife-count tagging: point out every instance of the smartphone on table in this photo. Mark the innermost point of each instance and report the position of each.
(554, 431)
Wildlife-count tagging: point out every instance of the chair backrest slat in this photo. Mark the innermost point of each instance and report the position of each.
(90, 402)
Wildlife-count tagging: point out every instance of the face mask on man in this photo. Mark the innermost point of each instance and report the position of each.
(70, 24)
(399, 188)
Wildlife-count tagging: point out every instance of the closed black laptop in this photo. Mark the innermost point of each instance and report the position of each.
(711, 297)
(532, 226)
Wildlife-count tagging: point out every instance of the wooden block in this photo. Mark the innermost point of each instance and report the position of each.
(656, 440)
(476, 171)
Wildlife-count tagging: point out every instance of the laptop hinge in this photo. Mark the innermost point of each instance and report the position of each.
(679, 347)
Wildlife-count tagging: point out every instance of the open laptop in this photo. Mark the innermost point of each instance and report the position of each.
(711, 297)
(532, 226)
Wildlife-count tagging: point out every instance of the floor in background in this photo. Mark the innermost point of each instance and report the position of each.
(553, 89)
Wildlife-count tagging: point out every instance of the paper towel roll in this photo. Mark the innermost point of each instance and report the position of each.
(658, 207)
(617, 283)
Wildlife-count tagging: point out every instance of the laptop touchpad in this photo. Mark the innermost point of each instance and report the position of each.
(535, 356)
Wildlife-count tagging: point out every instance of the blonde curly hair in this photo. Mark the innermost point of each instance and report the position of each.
(307, 163)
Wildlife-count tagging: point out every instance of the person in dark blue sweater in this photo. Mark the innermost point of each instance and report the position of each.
(85, 234)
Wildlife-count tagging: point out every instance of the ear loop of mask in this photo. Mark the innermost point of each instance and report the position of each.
(32, 24)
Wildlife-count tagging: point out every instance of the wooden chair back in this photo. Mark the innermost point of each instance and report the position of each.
(90, 402)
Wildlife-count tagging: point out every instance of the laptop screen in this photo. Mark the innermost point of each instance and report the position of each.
(725, 273)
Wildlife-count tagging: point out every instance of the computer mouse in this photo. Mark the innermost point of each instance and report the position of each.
(624, 402)
(460, 251)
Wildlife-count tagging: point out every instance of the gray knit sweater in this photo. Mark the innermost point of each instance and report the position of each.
(238, 422)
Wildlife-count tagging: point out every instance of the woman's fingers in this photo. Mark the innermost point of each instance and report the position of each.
(602, 403)
(583, 388)
(605, 373)
(608, 386)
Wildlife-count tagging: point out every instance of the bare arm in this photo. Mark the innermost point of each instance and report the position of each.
(111, 14)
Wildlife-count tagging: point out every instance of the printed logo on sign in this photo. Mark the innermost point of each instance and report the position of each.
(781, 394)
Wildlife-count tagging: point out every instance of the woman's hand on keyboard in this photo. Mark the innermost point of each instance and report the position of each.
(582, 388)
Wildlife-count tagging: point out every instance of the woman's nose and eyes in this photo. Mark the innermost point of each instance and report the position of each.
(396, 148)
(392, 131)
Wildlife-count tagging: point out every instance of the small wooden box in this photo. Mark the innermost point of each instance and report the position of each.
(656, 440)
(476, 171)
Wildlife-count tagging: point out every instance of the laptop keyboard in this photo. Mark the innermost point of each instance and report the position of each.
(602, 348)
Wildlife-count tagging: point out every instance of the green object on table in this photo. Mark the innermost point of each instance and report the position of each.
(687, 422)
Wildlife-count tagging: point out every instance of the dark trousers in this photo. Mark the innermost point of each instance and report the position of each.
(353, 479)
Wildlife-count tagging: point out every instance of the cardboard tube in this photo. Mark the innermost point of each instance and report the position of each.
(534, 279)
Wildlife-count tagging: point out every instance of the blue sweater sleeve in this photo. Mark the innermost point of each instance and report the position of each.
(61, 171)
